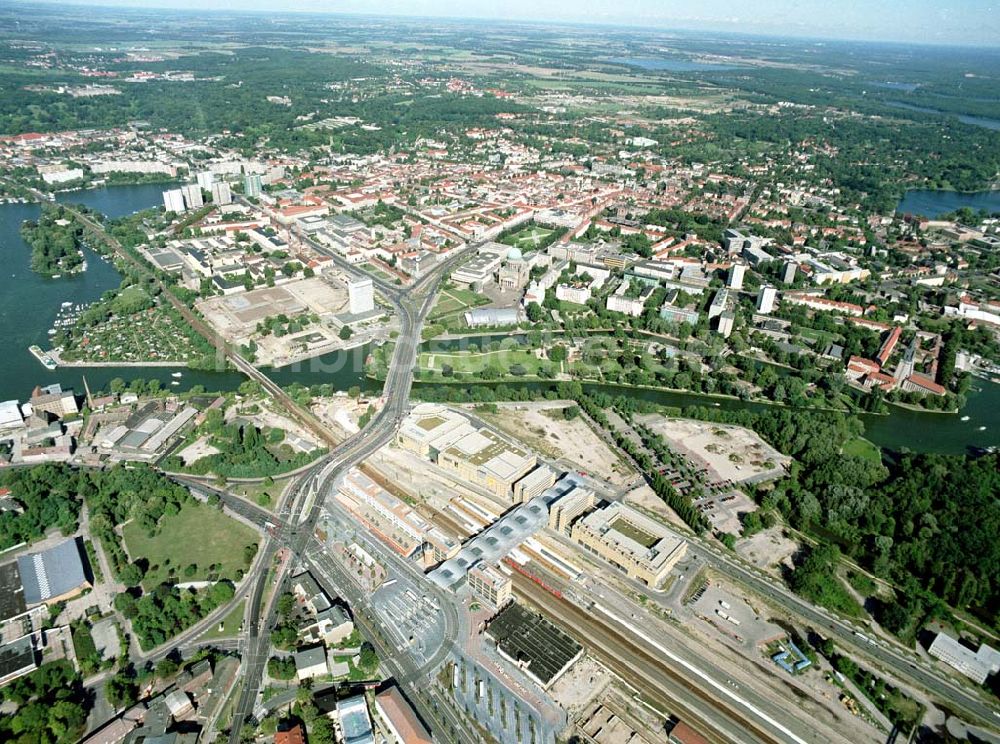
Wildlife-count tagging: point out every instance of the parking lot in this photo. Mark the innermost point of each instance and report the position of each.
(494, 706)
(733, 616)
(414, 621)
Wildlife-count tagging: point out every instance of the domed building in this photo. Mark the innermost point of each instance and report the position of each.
(515, 272)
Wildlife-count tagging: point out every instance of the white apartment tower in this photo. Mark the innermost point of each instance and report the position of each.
(173, 200)
(361, 295)
(221, 193)
(736, 273)
(766, 299)
(192, 196)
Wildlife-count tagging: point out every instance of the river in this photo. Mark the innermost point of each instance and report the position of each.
(933, 203)
(916, 431)
(29, 304)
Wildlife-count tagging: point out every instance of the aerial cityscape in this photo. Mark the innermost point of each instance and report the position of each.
(541, 373)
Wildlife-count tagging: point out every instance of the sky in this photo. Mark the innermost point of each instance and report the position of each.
(973, 22)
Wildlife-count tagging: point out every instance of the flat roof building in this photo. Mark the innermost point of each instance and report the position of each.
(355, 723)
(537, 646)
(476, 454)
(491, 316)
(976, 665)
(631, 541)
(490, 585)
(534, 483)
(54, 574)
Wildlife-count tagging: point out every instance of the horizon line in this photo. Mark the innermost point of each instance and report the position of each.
(652, 26)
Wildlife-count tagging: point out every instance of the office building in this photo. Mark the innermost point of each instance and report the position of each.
(976, 665)
(736, 274)
(490, 585)
(477, 455)
(53, 399)
(192, 196)
(173, 200)
(571, 506)
(221, 193)
(361, 295)
(638, 545)
(766, 299)
(534, 483)
(252, 185)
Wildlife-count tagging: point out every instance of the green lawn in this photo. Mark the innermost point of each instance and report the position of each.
(451, 302)
(199, 535)
(861, 447)
(230, 624)
(464, 362)
(529, 238)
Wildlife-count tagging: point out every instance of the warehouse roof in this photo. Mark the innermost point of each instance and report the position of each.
(52, 573)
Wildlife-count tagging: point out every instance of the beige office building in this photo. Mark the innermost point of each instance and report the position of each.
(477, 455)
(631, 541)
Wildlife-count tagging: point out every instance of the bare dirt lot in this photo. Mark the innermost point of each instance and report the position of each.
(542, 427)
(728, 453)
(768, 550)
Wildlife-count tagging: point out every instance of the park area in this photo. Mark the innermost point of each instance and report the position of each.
(201, 536)
(452, 302)
(530, 238)
(485, 364)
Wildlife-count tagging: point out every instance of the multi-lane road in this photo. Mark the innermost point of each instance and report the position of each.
(411, 304)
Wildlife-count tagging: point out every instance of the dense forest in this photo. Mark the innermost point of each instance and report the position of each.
(48, 498)
(50, 706)
(56, 241)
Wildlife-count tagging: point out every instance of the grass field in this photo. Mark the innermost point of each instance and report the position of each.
(230, 624)
(464, 362)
(528, 238)
(451, 302)
(861, 447)
(199, 535)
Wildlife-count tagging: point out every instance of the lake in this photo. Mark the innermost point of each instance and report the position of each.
(975, 121)
(671, 65)
(933, 203)
(29, 304)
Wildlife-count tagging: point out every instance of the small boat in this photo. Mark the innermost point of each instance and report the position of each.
(174, 382)
(964, 418)
(176, 374)
(52, 331)
(67, 304)
(982, 428)
(56, 276)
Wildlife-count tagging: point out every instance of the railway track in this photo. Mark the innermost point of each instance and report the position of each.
(638, 666)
